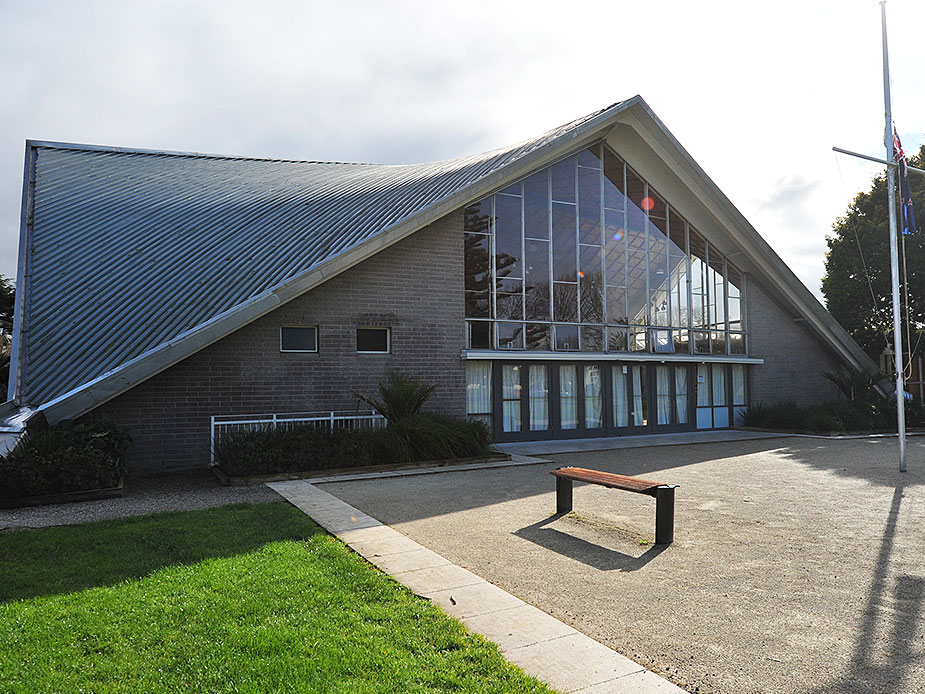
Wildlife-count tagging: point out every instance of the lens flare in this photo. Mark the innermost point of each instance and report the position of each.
(581, 274)
(648, 204)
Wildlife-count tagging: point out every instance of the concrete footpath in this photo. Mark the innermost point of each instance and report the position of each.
(543, 646)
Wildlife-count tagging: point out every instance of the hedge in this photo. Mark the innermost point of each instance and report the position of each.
(421, 437)
(68, 457)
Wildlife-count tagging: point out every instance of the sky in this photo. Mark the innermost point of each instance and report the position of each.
(758, 93)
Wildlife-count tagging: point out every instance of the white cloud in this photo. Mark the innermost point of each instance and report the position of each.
(758, 93)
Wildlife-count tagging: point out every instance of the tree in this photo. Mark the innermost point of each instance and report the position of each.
(7, 301)
(857, 284)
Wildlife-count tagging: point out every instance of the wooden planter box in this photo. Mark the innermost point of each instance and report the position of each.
(308, 474)
(64, 497)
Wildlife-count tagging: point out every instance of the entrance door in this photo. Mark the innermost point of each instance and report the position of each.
(523, 401)
(581, 400)
(629, 398)
(649, 398)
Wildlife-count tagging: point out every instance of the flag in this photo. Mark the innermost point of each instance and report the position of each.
(905, 194)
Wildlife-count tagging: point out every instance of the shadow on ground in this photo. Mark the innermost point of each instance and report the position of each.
(796, 567)
(872, 460)
(589, 553)
(66, 559)
(894, 611)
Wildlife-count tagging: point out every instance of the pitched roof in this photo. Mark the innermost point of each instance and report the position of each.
(132, 260)
(130, 249)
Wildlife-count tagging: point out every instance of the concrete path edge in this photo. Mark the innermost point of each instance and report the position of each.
(540, 644)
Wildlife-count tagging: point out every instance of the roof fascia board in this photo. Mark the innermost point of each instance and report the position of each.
(753, 245)
(14, 388)
(115, 382)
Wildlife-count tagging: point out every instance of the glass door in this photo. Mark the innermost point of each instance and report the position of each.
(620, 396)
(593, 390)
(539, 397)
(639, 403)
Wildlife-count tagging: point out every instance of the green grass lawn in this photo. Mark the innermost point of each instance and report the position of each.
(244, 598)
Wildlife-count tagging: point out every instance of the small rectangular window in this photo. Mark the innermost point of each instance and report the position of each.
(298, 339)
(373, 340)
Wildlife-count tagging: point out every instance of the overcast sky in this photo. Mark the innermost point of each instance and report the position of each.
(758, 93)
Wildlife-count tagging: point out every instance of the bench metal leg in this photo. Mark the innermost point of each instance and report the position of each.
(664, 515)
(563, 495)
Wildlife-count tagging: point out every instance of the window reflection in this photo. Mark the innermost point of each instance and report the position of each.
(589, 242)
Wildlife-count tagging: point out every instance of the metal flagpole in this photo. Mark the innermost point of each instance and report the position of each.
(894, 250)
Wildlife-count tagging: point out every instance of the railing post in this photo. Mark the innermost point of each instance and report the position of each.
(332, 421)
(212, 440)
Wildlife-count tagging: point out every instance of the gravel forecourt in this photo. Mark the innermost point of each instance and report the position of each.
(797, 565)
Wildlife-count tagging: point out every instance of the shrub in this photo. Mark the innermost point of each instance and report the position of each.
(400, 397)
(428, 437)
(833, 416)
(417, 438)
(68, 457)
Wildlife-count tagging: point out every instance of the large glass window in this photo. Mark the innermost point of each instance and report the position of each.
(589, 241)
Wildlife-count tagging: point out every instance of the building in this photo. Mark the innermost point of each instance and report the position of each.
(592, 281)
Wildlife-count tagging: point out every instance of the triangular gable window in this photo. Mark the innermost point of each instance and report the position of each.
(587, 248)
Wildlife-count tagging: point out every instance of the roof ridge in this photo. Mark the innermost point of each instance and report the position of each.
(113, 149)
(53, 144)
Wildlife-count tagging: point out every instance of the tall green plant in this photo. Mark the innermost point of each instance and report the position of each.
(856, 385)
(400, 397)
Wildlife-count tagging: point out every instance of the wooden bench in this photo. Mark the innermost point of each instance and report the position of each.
(663, 493)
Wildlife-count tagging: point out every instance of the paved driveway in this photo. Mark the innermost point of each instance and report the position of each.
(798, 564)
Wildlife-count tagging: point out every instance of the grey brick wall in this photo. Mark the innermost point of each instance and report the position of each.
(794, 358)
(415, 287)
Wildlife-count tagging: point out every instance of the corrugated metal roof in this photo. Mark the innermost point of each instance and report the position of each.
(128, 249)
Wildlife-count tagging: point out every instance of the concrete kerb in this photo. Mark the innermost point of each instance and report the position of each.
(528, 637)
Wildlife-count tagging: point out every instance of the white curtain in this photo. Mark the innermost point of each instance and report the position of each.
(478, 387)
(568, 397)
(594, 402)
(511, 392)
(620, 405)
(703, 385)
(663, 394)
(639, 396)
(539, 398)
(719, 384)
(680, 390)
(738, 384)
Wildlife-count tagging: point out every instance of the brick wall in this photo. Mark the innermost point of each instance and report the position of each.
(794, 358)
(415, 287)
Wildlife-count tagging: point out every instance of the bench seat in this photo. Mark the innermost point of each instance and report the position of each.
(663, 493)
(609, 479)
